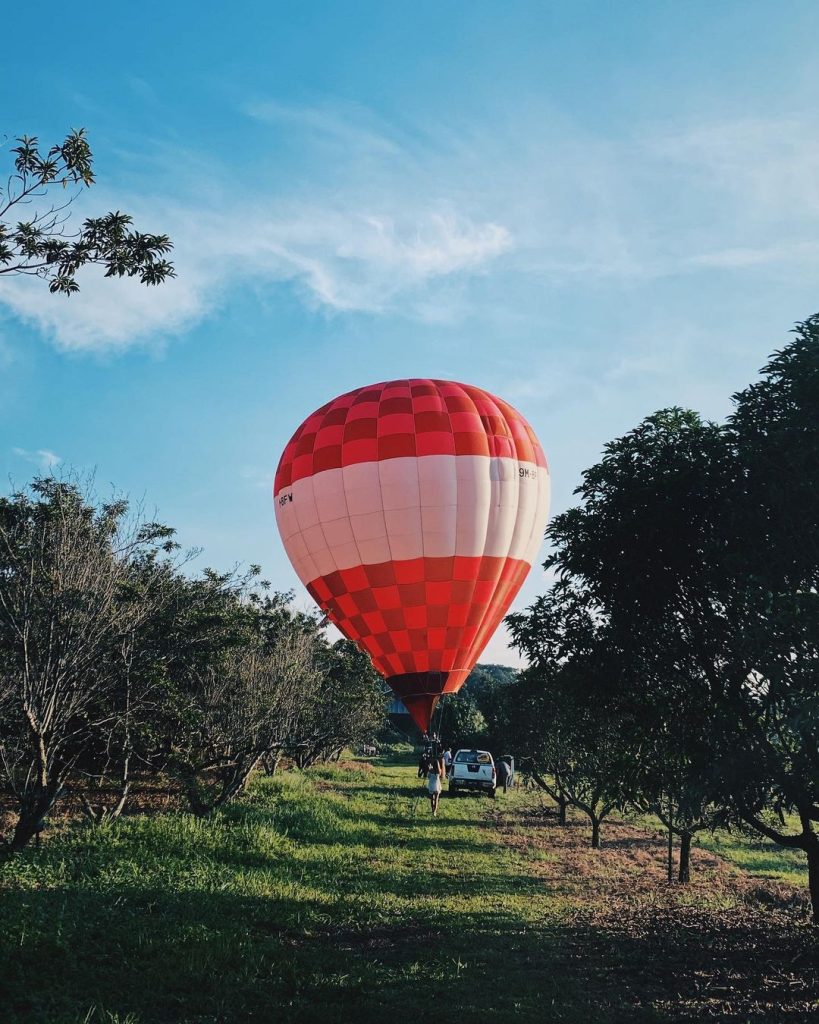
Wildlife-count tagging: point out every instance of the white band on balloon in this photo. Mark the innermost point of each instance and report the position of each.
(431, 506)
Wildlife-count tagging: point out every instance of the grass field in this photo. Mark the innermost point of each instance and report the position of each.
(333, 896)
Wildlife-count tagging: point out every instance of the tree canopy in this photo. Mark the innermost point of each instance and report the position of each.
(686, 607)
(115, 660)
(41, 244)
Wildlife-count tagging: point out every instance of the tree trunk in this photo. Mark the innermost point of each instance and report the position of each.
(670, 841)
(34, 808)
(238, 783)
(233, 781)
(684, 875)
(595, 832)
(101, 813)
(562, 804)
(807, 841)
(813, 878)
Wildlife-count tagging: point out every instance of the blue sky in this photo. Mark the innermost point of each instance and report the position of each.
(592, 209)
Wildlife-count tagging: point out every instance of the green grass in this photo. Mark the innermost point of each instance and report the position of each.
(329, 896)
(753, 854)
(310, 899)
(756, 855)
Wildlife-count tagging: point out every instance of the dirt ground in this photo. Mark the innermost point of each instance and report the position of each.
(728, 946)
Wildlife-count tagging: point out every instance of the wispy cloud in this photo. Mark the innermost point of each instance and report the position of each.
(383, 221)
(352, 125)
(339, 259)
(769, 166)
(42, 458)
(741, 257)
(368, 236)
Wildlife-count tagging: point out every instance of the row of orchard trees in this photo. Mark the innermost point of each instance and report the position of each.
(116, 662)
(674, 664)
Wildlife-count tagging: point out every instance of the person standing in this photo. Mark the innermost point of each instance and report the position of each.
(504, 774)
(447, 760)
(434, 782)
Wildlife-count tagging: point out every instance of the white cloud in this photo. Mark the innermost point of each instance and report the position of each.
(42, 458)
(341, 259)
(366, 261)
(376, 220)
(108, 314)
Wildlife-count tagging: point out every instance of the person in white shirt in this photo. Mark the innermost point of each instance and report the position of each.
(434, 787)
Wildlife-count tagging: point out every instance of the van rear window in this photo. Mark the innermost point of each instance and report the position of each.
(473, 757)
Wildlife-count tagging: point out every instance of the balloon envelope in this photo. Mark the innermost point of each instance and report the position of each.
(412, 511)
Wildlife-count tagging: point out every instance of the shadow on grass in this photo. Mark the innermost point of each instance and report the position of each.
(269, 914)
(160, 956)
(219, 957)
(209, 957)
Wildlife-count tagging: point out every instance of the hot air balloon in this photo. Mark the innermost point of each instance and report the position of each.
(412, 511)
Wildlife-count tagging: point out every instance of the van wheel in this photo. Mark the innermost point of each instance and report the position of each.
(492, 793)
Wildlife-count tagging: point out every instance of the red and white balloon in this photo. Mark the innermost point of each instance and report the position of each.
(412, 511)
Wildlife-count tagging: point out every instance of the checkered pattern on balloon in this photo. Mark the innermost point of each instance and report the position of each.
(412, 511)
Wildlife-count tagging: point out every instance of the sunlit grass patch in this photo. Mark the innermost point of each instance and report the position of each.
(758, 856)
(333, 895)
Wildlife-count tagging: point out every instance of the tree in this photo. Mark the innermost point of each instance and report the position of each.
(775, 760)
(697, 542)
(241, 708)
(233, 671)
(347, 706)
(111, 656)
(118, 739)
(41, 246)
(461, 721)
(533, 734)
(647, 544)
(67, 612)
(569, 722)
(489, 686)
(590, 764)
(675, 777)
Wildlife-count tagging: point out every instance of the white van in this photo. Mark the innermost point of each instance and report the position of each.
(472, 769)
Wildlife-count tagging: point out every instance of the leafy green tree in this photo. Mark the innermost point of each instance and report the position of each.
(69, 612)
(569, 722)
(236, 670)
(647, 545)
(348, 706)
(488, 686)
(675, 777)
(460, 720)
(41, 245)
(697, 543)
(485, 679)
(241, 708)
(773, 761)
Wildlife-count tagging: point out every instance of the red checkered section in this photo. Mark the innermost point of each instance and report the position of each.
(406, 418)
(424, 614)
